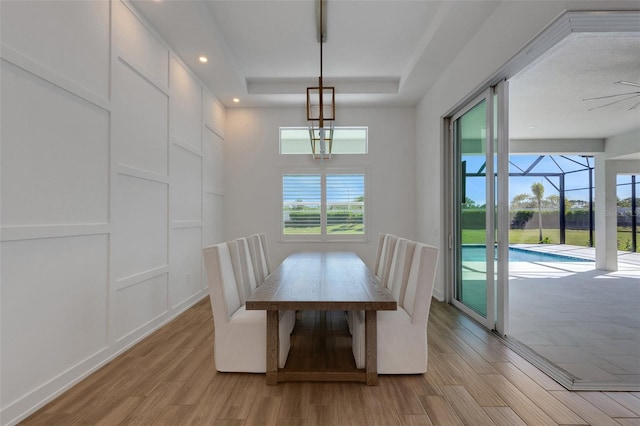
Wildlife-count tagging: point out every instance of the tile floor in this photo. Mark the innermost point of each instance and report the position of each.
(583, 320)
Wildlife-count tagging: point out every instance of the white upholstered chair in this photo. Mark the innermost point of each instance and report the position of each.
(384, 253)
(261, 268)
(242, 267)
(257, 244)
(387, 245)
(240, 337)
(402, 334)
(246, 277)
(265, 252)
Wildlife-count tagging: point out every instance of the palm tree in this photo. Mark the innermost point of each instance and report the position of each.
(521, 201)
(538, 191)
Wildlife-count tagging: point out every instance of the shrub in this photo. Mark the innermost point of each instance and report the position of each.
(521, 218)
(474, 218)
(334, 217)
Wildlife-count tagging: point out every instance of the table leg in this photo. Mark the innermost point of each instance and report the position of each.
(273, 344)
(371, 346)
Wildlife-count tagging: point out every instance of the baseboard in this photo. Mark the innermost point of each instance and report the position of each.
(438, 294)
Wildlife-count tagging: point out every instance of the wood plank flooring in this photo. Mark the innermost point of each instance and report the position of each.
(472, 379)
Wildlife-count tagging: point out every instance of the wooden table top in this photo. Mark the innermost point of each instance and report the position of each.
(322, 281)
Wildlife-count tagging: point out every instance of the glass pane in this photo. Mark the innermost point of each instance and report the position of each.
(577, 214)
(301, 204)
(346, 140)
(637, 213)
(625, 213)
(295, 140)
(345, 204)
(534, 209)
(471, 286)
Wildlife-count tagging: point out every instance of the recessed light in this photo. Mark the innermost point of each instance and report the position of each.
(203, 59)
(236, 100)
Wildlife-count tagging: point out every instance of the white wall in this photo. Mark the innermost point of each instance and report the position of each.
(254, 179)
(508, 30)
(623, 147)
(111, 153)
(621, 156)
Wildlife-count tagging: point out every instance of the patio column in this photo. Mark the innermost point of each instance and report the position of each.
(606, 212)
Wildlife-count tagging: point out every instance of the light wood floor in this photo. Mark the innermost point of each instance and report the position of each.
(473, 379)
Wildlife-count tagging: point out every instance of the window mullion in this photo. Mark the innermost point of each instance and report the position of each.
(323, 206)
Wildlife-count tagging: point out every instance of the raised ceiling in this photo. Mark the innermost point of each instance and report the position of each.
(381, 52)
(390, 52)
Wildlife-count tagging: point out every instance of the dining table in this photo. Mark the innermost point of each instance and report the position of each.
(322, 281)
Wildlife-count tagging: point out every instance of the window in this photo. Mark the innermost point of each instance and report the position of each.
(323, 205)
(346, 140)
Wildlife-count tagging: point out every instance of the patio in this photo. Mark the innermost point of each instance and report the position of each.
(582, 320)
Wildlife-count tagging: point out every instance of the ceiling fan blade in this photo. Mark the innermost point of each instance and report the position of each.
(628, 83)
(612, 96)
(614, 102)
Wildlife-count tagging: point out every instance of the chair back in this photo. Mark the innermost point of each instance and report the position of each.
(389, 242)
(223, 291)
(376, 268)
(265, 251)
(400, 268)
(242, 268)
(258, 258)
(419, 287)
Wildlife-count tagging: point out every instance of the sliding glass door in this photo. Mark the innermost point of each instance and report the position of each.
(474, 238)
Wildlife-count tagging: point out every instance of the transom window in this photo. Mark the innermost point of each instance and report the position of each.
(324, 205)
(346, 140)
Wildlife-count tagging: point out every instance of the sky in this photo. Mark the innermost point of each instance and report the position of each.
(342, 188)
(575, 183)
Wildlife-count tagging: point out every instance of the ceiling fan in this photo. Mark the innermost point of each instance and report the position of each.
(626, 96)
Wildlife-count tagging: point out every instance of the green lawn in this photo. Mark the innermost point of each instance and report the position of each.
(530, 236)
(354, 228)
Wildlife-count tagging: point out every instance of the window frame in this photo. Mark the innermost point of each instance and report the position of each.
(324, 236)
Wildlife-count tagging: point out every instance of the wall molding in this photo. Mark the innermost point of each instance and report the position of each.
(151, 325)
(34, 232)
(216, 132)
(122, 169)
(212, 190)
(138, 278)
(186, 224)
(191, 300)
(32, 67)
(186, 146)
(138, 69)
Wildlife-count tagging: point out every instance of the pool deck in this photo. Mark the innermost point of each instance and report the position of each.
(626, 259)
(584, 320)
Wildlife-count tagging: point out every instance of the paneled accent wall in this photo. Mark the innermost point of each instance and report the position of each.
(111, 184)
(213, 170)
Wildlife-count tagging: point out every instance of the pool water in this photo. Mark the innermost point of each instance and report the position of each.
(478, 253)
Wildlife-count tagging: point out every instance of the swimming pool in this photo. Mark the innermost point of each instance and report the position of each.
(477, 253)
